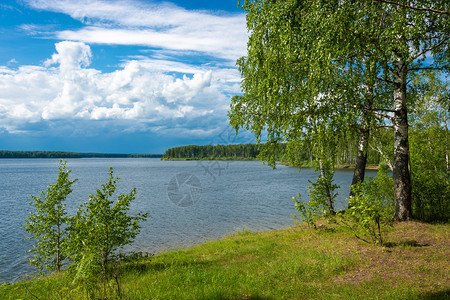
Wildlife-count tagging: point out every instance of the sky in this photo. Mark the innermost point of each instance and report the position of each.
(118, 76)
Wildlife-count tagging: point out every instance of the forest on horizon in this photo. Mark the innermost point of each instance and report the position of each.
(64, 154)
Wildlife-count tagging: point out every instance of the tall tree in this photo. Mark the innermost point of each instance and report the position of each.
(413, 40)
(295, 48)
(299, 68)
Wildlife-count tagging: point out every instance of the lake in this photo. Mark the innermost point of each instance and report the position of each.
(189, 201)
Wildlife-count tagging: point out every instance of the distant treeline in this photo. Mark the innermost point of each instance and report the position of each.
(296, 154)
(241, 151)
(63, 154)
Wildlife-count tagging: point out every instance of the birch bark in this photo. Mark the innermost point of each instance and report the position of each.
(401, 169)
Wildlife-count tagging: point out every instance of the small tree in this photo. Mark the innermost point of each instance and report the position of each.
(47, 223)
(321, 196)
(101, 227)
(371, 208)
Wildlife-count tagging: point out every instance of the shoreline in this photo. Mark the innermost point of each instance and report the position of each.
(211, 159)
(339, 166)
(266, 264)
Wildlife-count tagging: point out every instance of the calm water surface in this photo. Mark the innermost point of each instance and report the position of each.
(228, 196)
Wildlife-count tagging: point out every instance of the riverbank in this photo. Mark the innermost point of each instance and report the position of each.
(309, 165)
(294, 263)
(339, 166)
(352, 166)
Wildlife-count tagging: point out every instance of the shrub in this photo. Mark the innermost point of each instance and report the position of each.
(90, 239)
(321, 197)
(100, 228)
(371, 209)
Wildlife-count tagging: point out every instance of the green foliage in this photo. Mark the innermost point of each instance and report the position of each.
(100, 228)
(429, 139)
(89, 240)
(239, 151)
(47, 225)
(371, 209)
(323, 189)
(87, 274)
(321, 196)
(39, 154)
(309, 211)
(349, 62)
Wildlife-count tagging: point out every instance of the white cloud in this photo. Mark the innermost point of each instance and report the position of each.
(158, 25)
(65, 88)
(70, 55)
(185, 89)
(160, 90)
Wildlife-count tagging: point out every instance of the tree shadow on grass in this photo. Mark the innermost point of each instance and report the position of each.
(406, 244)
(248, 297)
(435, 295)
(148, 266)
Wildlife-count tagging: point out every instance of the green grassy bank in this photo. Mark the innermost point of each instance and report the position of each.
(294, 263)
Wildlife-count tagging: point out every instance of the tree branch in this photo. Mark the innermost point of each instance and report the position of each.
(382, 115)
(431, 48)
(383, 154)
(375, 111)
(385, 80)
(383, 109)
(384, 126)
(443, 12)
(426, 68)
(356, 128)
(31, 293)
(340, 68)
(431, 37)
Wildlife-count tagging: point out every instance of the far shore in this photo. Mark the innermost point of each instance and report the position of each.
(340, 166)
(66, 154)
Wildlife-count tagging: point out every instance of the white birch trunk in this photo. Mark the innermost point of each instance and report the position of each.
(401, 170)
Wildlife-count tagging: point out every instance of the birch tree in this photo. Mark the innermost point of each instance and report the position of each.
(47, 224)
(299, 50)
(296, 72)
(415, 38)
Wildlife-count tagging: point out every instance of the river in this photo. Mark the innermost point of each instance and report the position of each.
(189, 202)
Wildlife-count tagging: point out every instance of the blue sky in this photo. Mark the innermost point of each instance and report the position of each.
(123, 76)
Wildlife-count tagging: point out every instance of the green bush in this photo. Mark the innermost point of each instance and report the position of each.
(371, 209)
(321, 197)
(89, 240)
(101, 227)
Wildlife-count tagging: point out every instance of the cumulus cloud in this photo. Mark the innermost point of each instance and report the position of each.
(187, 88)
(70, 55)
(180, 82)
(140, 97)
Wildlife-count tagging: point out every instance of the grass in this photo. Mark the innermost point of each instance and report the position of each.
(293, 263)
